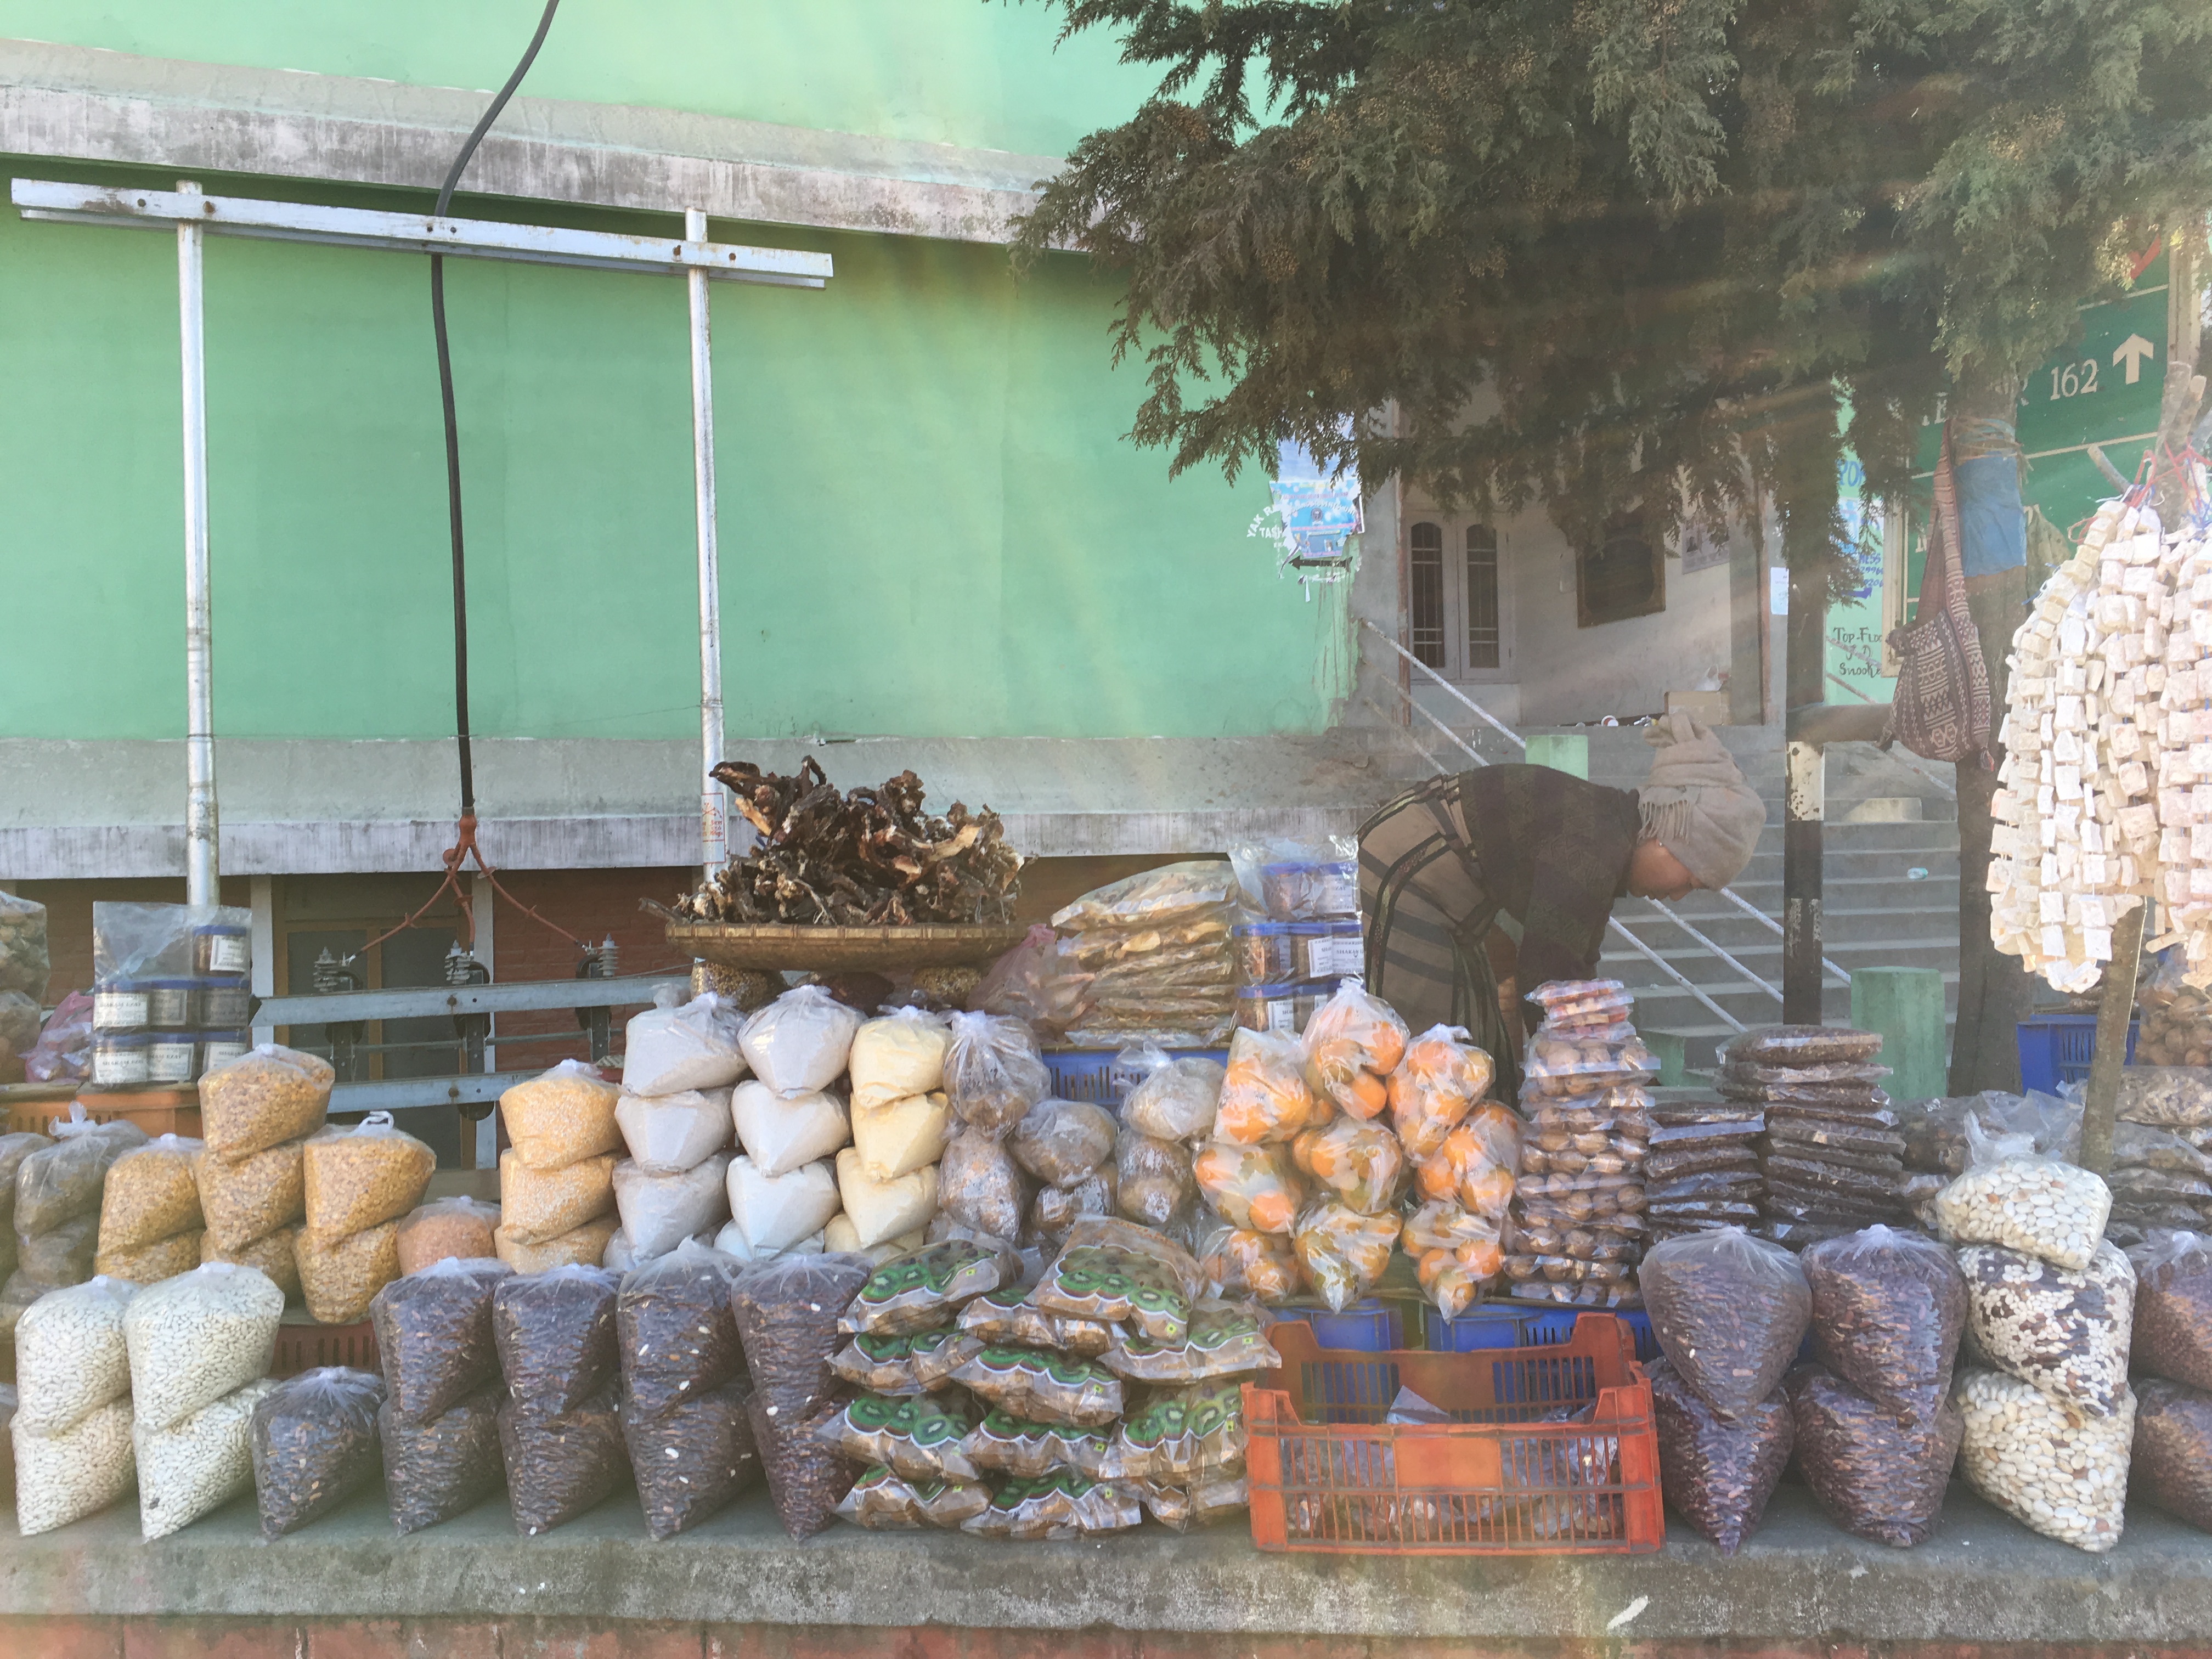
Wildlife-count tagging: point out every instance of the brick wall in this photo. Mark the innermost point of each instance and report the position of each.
(593, 905)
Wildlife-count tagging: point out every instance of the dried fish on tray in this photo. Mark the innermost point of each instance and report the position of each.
(862, 858)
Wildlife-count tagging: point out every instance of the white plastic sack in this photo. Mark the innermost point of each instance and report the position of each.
(800, 1041)
(666, 1133)
(61, 1478)
(784, 1133)
(731, 1241)
(619, 1258)
(70, 1360)
(773, 1212)
(659, 1211)
(197, 1465)
(884, 1209)
(842, 1237)
(902, 1054)
(197, 1337)
(897, 1137)
(667, 1049)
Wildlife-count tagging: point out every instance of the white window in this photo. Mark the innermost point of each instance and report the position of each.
(1456, 605)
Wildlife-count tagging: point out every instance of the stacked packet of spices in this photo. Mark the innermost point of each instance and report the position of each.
(1831, 1157)
(1702, 1173)
(1576, 1228)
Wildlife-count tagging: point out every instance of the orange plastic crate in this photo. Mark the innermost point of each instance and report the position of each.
(156, 1111)
(303, 1346)
(1328, 1475)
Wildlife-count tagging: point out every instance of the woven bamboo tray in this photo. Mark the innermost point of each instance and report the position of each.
(777, 945)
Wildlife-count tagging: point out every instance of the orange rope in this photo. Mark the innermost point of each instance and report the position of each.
(465, 849)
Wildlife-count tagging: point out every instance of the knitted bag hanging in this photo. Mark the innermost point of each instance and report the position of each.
(1941, 708)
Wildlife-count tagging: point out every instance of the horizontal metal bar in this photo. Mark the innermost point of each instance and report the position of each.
(415, 232)
(397, 1094)
(417, 1002)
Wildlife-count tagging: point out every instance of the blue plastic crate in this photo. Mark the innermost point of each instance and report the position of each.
(1479, 1329)
(1545, 1329)
(1098, 1076)
(1370, 1327)
(2054, 1049)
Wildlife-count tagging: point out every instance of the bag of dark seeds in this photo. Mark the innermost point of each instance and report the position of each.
(1801, 1045)
(2172, 1463)
(555, 1335)
(2173, 1310)
(806, 1479)
(691, 1462)
(924, 1288)
(1729, 1310)
(436, 1470)
(1879, 1479)
(1842, 1071)
(786, 1312)
(433, 1334)
(1114, 1271)
(1887, 1310)
(1718, 1474)
(1049, 1388)
(675, 1329)
(1007, 1317)
(919, 1439)
(1180, 1433)
(1226, 1339)
(560, 1463)
(314, 1444)
(884, 1502)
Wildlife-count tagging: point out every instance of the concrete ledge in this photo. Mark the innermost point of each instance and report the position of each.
(1982, 1580)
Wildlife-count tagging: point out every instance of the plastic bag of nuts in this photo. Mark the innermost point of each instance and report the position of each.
(1887, 1310)
(555, 1332)
(436, 1470)
(71, 1358)
(993, 1071)
(253, 1196)
(276, 1255)
(787, 1313)
(2066, 1332)
(1879, 1479)
(195, 1338)
(460, 1228)
(691, 1462)
(339, 1277)
(2011, 1196)
(676, 1332)
(434, 1335)
(2171, 1465)
(2173, 1308)
(55, 1184)
(2048, 1464)
(315, 1445)
(561, 1115)
(268, 1095)
(1801, 1045)
(559, 1463)
(2177, 1016)
(1729, 1310)
(360, 1177)
(151, 1194)
(1718, 1474)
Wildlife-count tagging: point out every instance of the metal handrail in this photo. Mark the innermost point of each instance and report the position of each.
(1520, 741)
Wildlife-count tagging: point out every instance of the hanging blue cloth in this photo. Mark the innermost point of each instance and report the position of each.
(1992, 523)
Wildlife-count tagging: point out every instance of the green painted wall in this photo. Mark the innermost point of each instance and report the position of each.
(976, 72)
(931, 525)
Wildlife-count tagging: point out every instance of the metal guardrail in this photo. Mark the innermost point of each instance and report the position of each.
(422, 1001)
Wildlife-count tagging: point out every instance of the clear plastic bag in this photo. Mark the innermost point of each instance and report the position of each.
(1060, 1504)
(1837, 1072)
(14, 1149)
(1180, 1433)
(254, 1196)
(539, 1206)
(1442, 1078)
(268, 1095)
(1456, 1254)
(800, 1041)
(1717, 1472)
(195, 1465)
(1729, 1310)
(2172, 1336)
(1475, 1165)
(63, 1052)
(1249, 1187)
(1353, 1044)
(55, 1184)
(1342, 1253)
(902, 1054)
(1240, 1262)
(1582, 1003)
(1153, 898)
(669, 1048)
(1880, 1479)
(437, 1470)
(361, 1177)
(925, 1289)
(2168, 1097)
(2011, 1196)
(1226, 1339)
(1005, 1444)
(1036, 981)
(2050, 1466)
(659, 1211)
(1008, 1318)
(806, 1479)
(24, 960)
(787, 1313)
(1114, 1271)
(197, 1337)
(677, 1335)
(446, 1227)
(1155, 1184)
(584, 1246)
(555, 1332)
(1801, 1045)
(1888, 1309)
(70, 1356)
(879, 1211)
(150, 1194)
(1061, 1141)
(339, 1277)
(434, 1335)
(1566, 1064)
(899, 1136)
(2066, 1332)
(1184, 1505)
(1055, 1210)
(1042, 1388)
(1175, 1098)
(917, 1438)
(881, 1501)
(276, 1255)
(314, 1444)
(691, 1462)
(2171, 1465)
(666, 1133)
(1358, 1163)
(978, 1184)
(63, 1254)
(993, 1071)
(561, 1115)
(559, 1463)
(784, 1134)
(79, 1471)
(1264, 1098)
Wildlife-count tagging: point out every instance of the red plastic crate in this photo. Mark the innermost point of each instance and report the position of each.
(304, 1345)
(1329, 1476)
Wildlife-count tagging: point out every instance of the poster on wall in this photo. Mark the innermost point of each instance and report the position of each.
(1314, 518)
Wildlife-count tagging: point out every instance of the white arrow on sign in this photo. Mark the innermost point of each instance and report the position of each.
(2132, 351)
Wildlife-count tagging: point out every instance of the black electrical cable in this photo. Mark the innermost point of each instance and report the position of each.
(452, 425)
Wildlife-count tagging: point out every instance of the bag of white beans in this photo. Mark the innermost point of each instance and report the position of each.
(2010, 1195)
(2068, 1333)
(197, 1337)
(197, 1464)
(61, 1478)
(71, 1358)
(2049, 1464)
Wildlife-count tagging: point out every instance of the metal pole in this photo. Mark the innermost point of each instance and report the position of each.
(1803, 802)
(713, 835)
(202, 879)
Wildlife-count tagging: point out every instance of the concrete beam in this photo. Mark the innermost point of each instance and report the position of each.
(81, 104)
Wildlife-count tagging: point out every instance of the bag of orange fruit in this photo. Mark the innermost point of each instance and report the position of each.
(1361, 1162)
(1441, 1079)
(1249, 1187)
(1475, 1165)
(1238, 1262)
(1264, 1097)
(1343, 1253)
(1456, 1254)
(1353, 1042)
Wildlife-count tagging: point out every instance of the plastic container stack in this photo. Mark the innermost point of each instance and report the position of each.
(1162, 962)
(172, 993)
(1578, 1221)
(1300, 936)
(1831, 1157)
(257, 1114)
